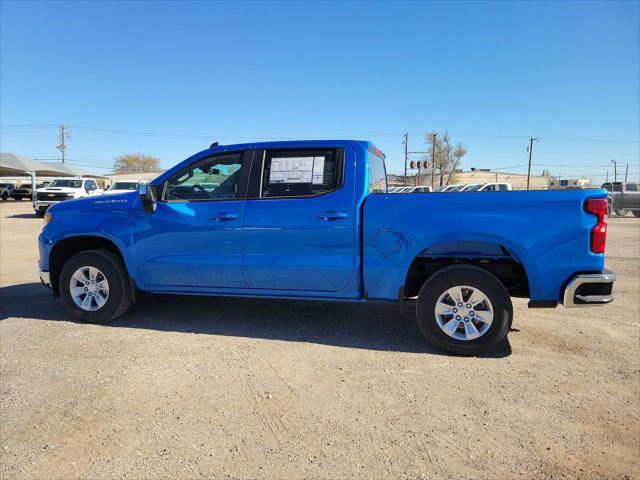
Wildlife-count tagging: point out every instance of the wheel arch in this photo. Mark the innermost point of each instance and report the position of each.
(496, 257)
(64, 249)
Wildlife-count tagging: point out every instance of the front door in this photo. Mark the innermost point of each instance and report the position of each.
(299, 224)
(192, 239)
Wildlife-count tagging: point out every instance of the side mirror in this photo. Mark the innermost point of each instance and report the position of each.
(148, 197)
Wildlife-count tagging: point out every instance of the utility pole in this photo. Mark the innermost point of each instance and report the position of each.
(615, 170)
(433, 159)
(62, 136)
(531, 140)
(406, 156)
(626, 172)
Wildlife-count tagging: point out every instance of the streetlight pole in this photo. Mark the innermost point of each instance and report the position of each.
(615, 170)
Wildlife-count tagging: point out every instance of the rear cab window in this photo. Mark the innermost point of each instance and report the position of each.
(377, 171)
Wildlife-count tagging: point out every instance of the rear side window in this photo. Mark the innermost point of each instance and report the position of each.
(632, 187)
(300, 173)
(377, 172)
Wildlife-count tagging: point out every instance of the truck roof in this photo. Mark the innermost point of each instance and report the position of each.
(289, 144)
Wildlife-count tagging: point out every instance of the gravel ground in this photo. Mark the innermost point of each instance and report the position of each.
(195, 387)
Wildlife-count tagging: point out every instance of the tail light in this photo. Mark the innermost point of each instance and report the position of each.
(598, 207)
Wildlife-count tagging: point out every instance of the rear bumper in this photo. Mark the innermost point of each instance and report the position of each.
(589, 289)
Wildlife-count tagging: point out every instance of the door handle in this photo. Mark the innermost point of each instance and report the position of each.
(332, 215)
(224, 216)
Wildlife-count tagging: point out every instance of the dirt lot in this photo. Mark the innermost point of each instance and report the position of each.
(196, 387)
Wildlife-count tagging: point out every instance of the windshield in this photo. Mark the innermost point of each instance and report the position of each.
(125, 186)
(25, 185)
(66, 183)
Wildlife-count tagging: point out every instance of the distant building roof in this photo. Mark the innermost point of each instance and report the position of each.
(12, 164)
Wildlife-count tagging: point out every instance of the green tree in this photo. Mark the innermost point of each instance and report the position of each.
(135, 162)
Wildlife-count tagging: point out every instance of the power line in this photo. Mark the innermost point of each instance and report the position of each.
(377, 134)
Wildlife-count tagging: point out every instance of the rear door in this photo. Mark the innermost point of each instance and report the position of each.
(299, 224)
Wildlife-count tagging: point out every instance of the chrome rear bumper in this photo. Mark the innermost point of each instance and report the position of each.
(589, 289)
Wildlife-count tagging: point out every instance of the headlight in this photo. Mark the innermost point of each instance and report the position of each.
(47, 217)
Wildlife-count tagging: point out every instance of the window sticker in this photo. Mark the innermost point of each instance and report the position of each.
(318, 170)
(297, 170)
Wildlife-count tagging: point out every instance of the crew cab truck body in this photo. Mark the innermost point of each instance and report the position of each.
(312, 220)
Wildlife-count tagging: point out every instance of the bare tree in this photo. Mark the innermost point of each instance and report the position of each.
(444, 156)
(135, 162)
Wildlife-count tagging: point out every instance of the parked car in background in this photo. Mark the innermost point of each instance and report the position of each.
(25, 191)
(455, 188)
(121, 187)
(624, 197)
(418, 189)
(6, 190)
(61, 189)
(307, 222)
(488, 187)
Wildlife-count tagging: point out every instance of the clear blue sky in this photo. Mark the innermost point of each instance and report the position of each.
(242, 71)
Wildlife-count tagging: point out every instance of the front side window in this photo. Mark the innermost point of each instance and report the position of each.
(90, 185)
(503, 188)
(632, 187)
(300, 173)
(377, 172)
(66, 183)
(213, 178)
(617, 187)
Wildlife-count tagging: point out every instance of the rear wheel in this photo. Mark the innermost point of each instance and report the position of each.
(40, 212)
(636, 213)
(622, 212)
(5, 195)
(464, 310)
(94, 286)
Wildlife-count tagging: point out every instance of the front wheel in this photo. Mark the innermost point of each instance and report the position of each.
(5, 196)
(636, 213)
(622, 212)
(40, 212)
(465, 310)
(94, 286)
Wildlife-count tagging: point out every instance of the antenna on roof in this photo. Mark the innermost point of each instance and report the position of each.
(214, 144)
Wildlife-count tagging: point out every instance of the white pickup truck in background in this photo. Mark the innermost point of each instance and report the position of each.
(61, 189)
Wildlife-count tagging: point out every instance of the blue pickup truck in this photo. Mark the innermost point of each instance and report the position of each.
(313, 220)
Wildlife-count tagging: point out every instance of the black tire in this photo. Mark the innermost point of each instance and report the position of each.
(464, 275)
(636, 213)
(113, 268)
(5, 196)
(40, 212)
(622, 212)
